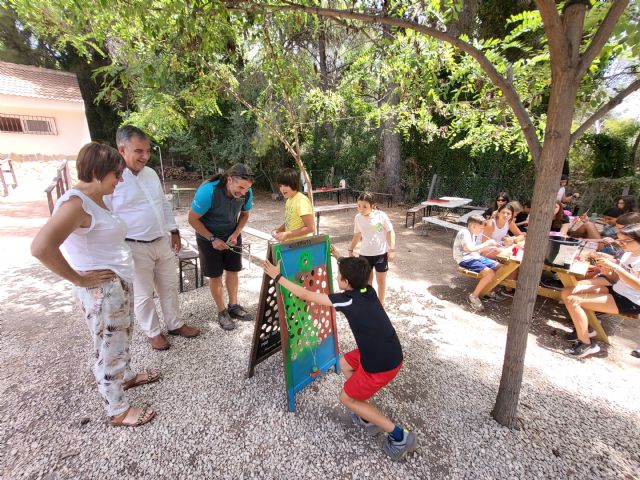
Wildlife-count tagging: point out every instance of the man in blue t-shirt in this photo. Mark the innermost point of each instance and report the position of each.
(378, 358)
(219, 212)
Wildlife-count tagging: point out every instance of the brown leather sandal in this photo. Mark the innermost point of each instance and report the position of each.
(145, 415)
(142, 378)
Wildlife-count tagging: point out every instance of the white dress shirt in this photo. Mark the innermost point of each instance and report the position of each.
(140, 202)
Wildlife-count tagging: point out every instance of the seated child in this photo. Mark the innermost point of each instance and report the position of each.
(378, 358)
(617, 292)
(522, 218)
(466, 253)
(298, 211)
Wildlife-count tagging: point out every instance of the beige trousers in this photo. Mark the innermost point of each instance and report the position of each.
(155, 269)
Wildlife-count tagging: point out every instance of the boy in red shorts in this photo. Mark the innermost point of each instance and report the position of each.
(378, 357)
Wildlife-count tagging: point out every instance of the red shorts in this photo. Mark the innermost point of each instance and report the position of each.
(362, 385)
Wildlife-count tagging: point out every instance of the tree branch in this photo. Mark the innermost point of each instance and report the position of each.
(511, 96)
(600, 38)
(606, 108)
(558, 48)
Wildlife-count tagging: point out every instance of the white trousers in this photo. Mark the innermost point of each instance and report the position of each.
(108, 312)
(155, 269)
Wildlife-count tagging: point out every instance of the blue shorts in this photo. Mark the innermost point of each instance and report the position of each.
(478, 264)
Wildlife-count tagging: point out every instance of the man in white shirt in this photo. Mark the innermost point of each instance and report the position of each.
(140, 202)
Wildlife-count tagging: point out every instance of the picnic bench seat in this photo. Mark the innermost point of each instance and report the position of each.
(442, 223)
(412, 213)
(464, 218)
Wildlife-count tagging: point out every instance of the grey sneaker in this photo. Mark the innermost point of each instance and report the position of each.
(370, 428)
(475, 303)
(239, 312)
(224, 319)
(572, 336)
(582, 350)
(397, 450)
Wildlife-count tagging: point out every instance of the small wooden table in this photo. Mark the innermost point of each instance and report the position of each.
(331, 208)
(338, 191)
(178, 191)
(569, 278)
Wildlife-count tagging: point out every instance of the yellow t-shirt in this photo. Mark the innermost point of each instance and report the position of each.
(294, 209)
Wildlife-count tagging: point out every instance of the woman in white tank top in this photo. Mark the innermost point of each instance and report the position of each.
(498, 228)
(100, 266)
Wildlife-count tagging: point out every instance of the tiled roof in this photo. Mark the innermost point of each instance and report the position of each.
(36, 82)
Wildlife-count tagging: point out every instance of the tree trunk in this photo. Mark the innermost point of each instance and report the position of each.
(391, 141)
(391, 147)
(635, 158)
(467, 20)
(324, 76)
(554, 151)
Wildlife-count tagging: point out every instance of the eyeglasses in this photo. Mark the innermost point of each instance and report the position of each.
(624, 242)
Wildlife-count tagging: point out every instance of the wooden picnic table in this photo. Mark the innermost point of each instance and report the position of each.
(331, 208)
(569, 278)
(447, 202)
(338, 191)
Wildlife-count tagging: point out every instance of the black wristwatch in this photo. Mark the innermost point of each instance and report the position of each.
(212, 239)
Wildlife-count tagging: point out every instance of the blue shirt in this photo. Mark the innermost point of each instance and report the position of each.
(219, 211)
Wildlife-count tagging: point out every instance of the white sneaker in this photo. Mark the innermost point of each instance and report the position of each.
(475, 303)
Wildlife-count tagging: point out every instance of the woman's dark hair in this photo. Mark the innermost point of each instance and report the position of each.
(632, 231)
(629, 203)
(367, 197)
(239, 170)
(556, 223)
(613, 212)
(289, 178)
(564, 177)
(628, 218)
(96, 160)
(504, 195)
(355, 270)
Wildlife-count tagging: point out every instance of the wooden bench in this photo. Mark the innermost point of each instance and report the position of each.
(258, 233)
(60, 184)
(412, 213)
(6, 166)
(442, 223)
(464, 218)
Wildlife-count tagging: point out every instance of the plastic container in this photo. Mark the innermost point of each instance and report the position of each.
(561, 251)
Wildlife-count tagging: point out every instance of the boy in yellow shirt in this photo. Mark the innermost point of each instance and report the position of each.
(298, 212)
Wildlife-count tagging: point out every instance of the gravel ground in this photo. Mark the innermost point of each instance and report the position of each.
(579, 419)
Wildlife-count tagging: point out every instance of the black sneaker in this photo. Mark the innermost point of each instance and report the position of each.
(582, 350)
(494, 297)
(507, 293)
(552, 283)
(572, 336)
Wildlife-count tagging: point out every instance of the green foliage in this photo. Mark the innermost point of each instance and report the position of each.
(610, 155)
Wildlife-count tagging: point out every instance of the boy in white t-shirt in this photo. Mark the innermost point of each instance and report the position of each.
(374, 228)
(466, 253)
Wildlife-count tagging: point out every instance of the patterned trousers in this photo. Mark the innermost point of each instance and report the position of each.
(108, 311)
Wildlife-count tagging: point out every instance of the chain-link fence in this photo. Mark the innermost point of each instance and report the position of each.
(598, 194)
(482, 190)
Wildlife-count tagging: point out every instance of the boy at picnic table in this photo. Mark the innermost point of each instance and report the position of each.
(466, 252)
(378, 358)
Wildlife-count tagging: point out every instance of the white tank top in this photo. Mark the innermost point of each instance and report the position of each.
(499, 233)
(101, 246)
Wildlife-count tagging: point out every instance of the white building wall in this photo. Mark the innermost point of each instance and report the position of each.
(71, 125)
